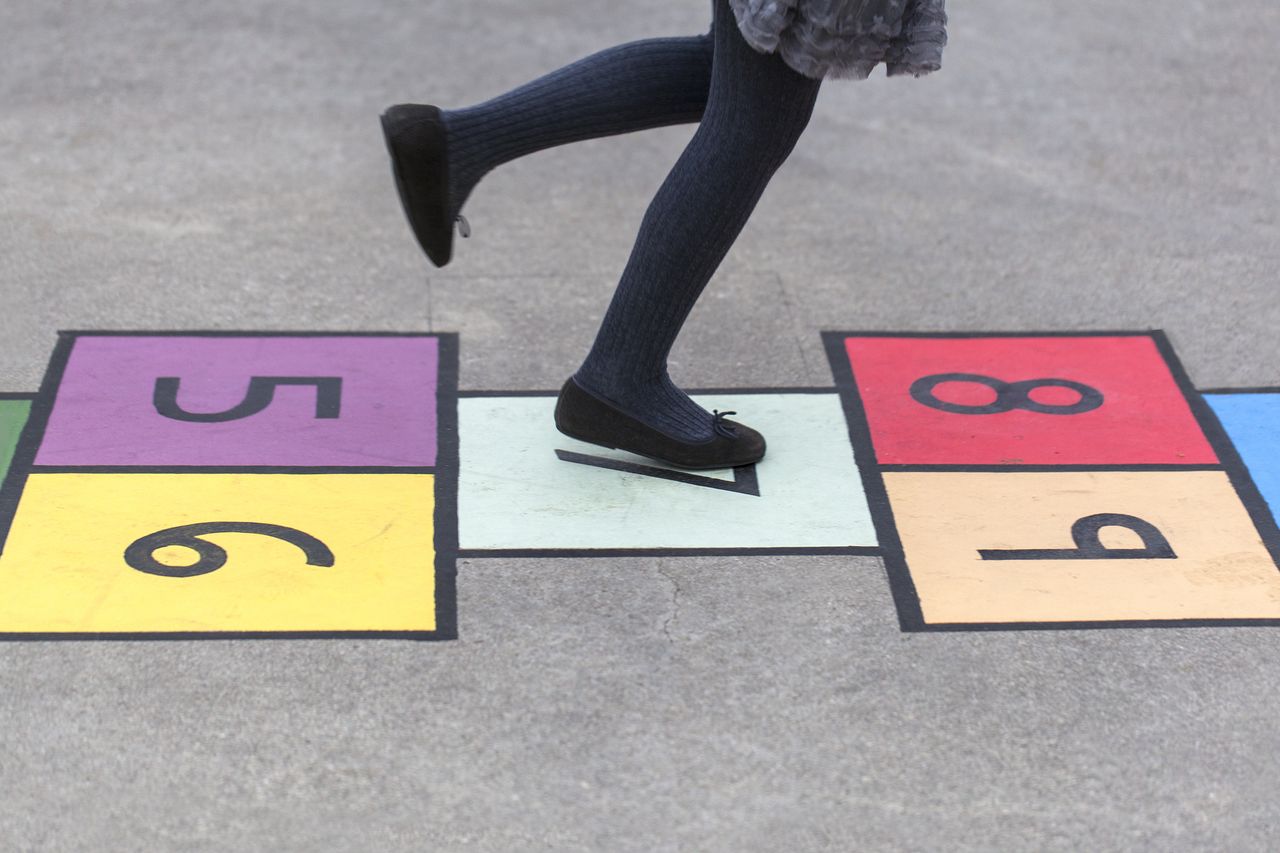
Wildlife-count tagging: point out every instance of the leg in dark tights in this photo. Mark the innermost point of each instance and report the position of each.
(633, 86)
(757, 107)
(752, 109)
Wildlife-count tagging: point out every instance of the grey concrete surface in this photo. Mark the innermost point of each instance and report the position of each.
(219, 165)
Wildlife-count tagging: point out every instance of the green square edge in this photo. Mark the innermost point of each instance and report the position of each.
(13, 417)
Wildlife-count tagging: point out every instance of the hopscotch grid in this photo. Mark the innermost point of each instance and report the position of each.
(902, 587)
(447, 551)
(445, 471)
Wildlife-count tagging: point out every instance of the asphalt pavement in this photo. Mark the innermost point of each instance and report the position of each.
(219, 166)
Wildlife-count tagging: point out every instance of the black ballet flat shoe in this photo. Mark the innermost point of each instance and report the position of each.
(416, 140)
(582, 415)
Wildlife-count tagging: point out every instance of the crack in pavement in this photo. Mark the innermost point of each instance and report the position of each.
(675, 602)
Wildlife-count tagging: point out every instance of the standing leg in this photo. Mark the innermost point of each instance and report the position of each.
(757, 107)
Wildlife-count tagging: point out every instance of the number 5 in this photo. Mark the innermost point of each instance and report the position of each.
(262, 390)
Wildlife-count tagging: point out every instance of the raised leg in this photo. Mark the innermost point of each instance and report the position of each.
(633, 86)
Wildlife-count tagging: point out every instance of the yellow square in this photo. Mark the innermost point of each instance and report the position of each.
(64, 566)
(1220, 568)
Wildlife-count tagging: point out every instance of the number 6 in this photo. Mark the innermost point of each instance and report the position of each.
(141, 554)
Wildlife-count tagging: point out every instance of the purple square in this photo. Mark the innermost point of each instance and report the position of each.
(349, 401)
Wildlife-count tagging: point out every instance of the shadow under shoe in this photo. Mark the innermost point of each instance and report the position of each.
(584, 416)
(418, 144)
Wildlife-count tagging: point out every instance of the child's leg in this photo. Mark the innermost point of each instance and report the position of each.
(633, 86)
(757, 108)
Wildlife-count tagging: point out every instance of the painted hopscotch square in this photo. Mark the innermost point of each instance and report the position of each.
(64, 569)
(1112, 399)
(1252, 421)
(14, 411)
(146, 400)
(1221, 570)
(520, 491)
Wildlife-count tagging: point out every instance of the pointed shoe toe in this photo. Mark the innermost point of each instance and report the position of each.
(417, 142)
(584, 416)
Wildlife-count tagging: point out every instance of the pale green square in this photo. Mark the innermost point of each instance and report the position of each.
(515, 494)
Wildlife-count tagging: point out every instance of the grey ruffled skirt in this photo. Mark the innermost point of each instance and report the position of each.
(847, 38)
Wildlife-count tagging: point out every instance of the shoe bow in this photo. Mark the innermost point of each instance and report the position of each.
(722, 428)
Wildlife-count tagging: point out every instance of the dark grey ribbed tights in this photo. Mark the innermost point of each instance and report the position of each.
(751, 108)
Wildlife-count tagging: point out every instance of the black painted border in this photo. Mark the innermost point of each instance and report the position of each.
(225, 469)
(1260, 390)
(804, 389)
(831, 551)
(901, 585)
(445, 481)
(445, 522)
(910, 616)
(246, 333)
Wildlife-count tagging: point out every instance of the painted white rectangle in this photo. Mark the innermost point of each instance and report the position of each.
(514, 493)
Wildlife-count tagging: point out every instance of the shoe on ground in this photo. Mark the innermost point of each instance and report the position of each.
(584, 416)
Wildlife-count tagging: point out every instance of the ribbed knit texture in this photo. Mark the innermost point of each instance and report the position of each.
(757, 107)
(633, 86)
(751, 107)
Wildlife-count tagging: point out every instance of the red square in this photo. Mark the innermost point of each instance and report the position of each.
(1087, 400)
